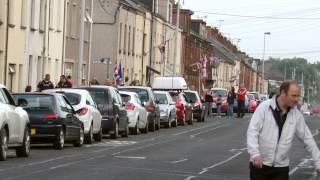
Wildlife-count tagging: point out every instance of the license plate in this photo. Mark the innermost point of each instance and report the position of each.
(33, 131)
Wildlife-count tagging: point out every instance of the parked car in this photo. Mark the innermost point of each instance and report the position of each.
(136, 112)
(52, 119)
(167, 109)
(224, 104)
(183, 107)
(15, 126)
(263, 97)
(113, 111)
(256, 97)
(146, 96)
(89, 115)
(253, 104)
(198, 108)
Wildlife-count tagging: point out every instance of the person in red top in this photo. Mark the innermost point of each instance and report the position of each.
(241, 96)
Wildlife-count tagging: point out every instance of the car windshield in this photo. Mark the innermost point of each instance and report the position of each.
(221, 92)
(125, 97)
(73, 98)
(99, 96)
(250, 96)
(35, 101)
(192, 96)
(255, 95)
(142, 93)
(162, 98)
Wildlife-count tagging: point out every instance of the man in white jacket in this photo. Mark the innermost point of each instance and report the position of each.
(271, 131)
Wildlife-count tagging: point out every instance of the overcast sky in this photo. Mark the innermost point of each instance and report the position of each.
(294, 25)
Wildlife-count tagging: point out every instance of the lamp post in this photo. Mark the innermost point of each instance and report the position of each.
(264, 49)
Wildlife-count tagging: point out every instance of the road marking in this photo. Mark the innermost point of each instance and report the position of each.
(243, 149)
(204, 170)
(179, 161)
(316, 133)
(130, 157)
(190, 177)
(203, 132)
(183, 132)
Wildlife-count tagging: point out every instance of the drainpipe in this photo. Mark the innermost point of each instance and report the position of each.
(90, 44)
(44, 34)
(151, 41)
(143, 45)
(64, 37)
(7, 44)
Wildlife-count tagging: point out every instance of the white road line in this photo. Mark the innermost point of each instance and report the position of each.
(190, 177)
(130, 157)
(204, 170)
(179, 161)
(243, 149)
(203, 132)
(190, 130)
(316, 133)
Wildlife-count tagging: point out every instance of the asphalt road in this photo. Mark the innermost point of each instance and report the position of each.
(212, 150)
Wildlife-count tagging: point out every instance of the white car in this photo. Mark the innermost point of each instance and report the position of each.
(15, 126)
(167, 109)
(136, 112)
(89, 115)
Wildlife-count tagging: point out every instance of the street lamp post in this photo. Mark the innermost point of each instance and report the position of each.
(264, 49)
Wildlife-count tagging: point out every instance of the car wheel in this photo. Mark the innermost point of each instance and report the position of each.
(145, 130)
(89, 137)
(98, 137)
(126, 132)
(168, 124)
(59, 143)
(79, 142)
(183, 120)
(152, 126)
(135, 130)
(175, 122)
(3, 144)
(24, 150)
(115, 131)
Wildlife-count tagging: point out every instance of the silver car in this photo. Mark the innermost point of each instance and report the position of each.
(167, 107)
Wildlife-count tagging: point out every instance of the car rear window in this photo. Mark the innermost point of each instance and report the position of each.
(192, 96)
(125, 98)
(221, 92)
(162, 98)
(35, 101)
(99, 96)
(142, 93)
(250, 96)
(73, 98)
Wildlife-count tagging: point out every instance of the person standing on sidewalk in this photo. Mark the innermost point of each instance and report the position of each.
(208, 99)
(45, 84)
(241, 97)
(271, 132)
(230, 99)
(218, 103)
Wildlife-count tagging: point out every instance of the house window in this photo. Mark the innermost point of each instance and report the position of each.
(129, 41)
(120, 38)
(125, 39)
(32, 15)
(11, 13)
(69, 19)
(30, 69)
(39, 69)
(74, 20)
(59, 16)
(133, 41)
(1, 12)
(42, 15)
(23, 14)
(51, 14)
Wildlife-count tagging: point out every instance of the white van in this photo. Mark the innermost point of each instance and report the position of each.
(169, 83)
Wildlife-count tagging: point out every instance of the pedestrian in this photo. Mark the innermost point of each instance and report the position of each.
(241, 97)
(208, 100)
(70, 80)
(218, 103)
(45, 84)
(230, 99)
(64, 83)
(271, 132)
(94, 81)
(83, 82)
(28, 89)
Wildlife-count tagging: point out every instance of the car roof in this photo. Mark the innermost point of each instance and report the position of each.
(78, 91)
(218, 89)
(191, 91)
(95, 87)
(161, 92)
(128, 93)
(134, 87)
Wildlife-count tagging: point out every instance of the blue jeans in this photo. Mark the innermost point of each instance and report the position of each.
(218, 110)
(230, 110)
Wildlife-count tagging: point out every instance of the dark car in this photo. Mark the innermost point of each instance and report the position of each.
(198, 109)
(148, 98)
(52, 119)
(113, 111)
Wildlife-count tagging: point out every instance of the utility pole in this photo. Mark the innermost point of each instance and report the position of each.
(81, 37)
(264, 49)
(176, 39)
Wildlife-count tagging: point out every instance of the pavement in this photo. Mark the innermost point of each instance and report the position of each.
(215, 150)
